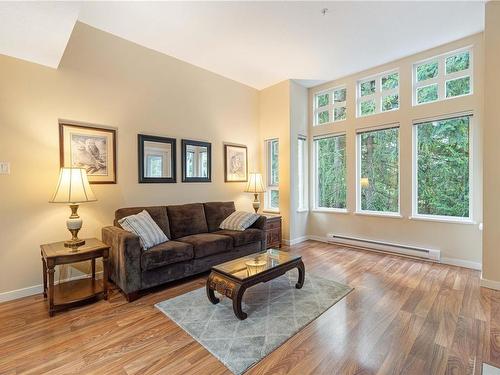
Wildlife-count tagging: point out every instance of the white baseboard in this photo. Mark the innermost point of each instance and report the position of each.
(295, 241)
(462, 263)
(317, 238)
(450, 261)
(37, 289)
(490, 284)
(20, 293)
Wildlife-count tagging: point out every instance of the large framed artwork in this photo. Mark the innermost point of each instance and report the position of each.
(91, 148)
(235, 163)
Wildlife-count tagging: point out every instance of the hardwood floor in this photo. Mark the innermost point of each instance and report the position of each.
(404, 317)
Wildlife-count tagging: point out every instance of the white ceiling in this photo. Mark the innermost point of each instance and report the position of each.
(256, 43)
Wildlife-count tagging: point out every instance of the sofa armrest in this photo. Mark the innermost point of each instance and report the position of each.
(125, 258)
(260, 223)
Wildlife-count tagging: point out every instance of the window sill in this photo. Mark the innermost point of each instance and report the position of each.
(443, 219)
(391, 215)
(331, 210)
(302, 210)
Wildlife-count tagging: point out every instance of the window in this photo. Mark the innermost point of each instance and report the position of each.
(273, 193)
(442, 167)
(378, 171)
(378, 94)
(330, 106)
(442, 77)
(302, 173)
(330, 172)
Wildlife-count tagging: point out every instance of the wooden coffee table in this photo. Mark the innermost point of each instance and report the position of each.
(233, 278)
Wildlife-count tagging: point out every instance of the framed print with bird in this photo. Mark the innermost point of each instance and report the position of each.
(89, 147)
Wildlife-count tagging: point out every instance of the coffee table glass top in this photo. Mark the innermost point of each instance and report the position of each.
(253, 264)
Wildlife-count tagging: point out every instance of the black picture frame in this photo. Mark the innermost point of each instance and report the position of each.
(208, 145)
(141, 138)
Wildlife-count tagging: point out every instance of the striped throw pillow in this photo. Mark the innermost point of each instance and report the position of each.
(239, 220)
(145, 227)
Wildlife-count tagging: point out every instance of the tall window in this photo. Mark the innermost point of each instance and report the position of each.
(443, 168)
(330, 164)
(378, 171)
(378, 94)
(330, 106)
(442, 77)
(302, 173)
(273, 192)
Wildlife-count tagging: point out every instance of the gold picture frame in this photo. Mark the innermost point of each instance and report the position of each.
(89, 147)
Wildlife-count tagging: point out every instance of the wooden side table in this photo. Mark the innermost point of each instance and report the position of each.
(273, 231)
(70, 293)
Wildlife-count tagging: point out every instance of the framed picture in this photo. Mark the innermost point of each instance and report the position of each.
(91, 148)
(235, 163)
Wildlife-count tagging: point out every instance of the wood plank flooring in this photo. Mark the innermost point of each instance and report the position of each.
(404, 317)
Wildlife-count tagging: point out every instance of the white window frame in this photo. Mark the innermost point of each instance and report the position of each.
(330, 107)
(379, 94)
(442, 78)
(270, 187)
(442, 218)
(360, 211)
(302, 180)
(315, 194)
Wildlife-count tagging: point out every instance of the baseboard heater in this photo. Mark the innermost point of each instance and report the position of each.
(385, 247)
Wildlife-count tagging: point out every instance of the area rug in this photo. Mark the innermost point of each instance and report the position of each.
(276, 311)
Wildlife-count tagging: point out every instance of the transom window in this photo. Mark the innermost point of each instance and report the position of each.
(442, 168)
(378, 94)
(330, 106)
(442, 77)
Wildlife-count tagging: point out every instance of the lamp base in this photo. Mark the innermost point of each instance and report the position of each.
(74, 245)
(256, 203)
(74, 224)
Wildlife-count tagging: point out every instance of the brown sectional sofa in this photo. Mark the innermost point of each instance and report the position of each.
(196, 244)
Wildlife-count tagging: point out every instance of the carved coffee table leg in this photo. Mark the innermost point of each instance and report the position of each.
(237, 297)
(210, 292)
(302, 274)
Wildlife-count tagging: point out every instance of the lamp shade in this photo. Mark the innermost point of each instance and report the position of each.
(73, 187)
(255, 184)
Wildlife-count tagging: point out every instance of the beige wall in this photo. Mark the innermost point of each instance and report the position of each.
(275, 123)
(461, 243)
(491, 234)
(106, 80)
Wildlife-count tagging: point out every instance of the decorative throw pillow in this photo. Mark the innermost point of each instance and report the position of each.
(239, 220)
(145, 227)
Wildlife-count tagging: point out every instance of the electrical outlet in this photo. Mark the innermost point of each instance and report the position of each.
(4, 167)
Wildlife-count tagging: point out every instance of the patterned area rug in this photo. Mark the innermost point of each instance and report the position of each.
(276, 311)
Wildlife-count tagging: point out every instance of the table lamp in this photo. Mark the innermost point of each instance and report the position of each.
(255, 186)
(73, 188)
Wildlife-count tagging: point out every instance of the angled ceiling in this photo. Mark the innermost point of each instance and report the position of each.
(255, 43)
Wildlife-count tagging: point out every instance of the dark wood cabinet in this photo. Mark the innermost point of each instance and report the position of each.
(273, 231)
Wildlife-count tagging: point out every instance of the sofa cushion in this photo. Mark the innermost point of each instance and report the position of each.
(186, 219)
(166, 253)
(143, 225)
(158, 213)
(205, 244)
(239, 220)
(242, 238)
(216, 212)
